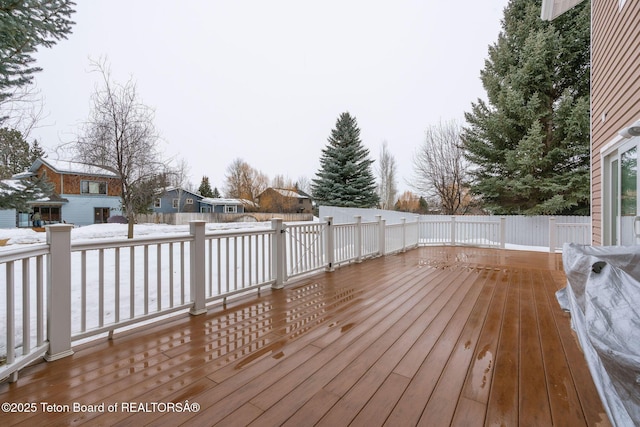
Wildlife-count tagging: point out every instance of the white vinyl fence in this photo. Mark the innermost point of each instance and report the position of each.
(60, 292)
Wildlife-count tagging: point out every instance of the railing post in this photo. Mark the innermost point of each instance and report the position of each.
(552, 235)
(453, 231)
(404, 234)
(329, 248)
(59, 291)
(358, 238)
(197, 267)
(277, 253)
(503, 232)
(418, 231)
(381, 234)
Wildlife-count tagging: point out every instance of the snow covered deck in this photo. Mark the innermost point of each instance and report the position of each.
(433, 336)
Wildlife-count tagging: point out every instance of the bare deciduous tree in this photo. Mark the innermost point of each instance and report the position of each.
(440, 168)
(386, 169)
(120, 135)
(304, 184)
(244, 181)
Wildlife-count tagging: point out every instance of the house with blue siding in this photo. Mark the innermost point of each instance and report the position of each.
(222, 205)
(83, 194)
(176, 200)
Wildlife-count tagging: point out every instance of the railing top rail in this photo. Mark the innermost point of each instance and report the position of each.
(234, 233)
(125, 243)
(9, 254)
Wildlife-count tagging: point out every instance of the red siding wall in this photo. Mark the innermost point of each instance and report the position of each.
(615, 85)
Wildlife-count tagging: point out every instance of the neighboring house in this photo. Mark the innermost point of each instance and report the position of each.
(175, 200)
(221, 205)
(615, 116)
(83, 194)
(285, 201)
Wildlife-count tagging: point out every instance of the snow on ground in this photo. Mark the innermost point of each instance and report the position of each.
(20, 236)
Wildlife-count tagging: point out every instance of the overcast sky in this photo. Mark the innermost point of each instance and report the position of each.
(265, 81)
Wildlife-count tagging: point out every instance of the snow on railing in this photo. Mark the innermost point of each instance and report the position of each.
(100, 286)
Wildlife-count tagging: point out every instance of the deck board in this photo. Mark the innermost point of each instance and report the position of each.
(434, 336)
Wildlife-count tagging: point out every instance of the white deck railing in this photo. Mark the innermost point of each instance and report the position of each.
(63, 291)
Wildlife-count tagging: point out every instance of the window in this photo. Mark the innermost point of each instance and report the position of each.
(175, 203)
(231, 209)
(189, 201)
(93, 187)
(101, 215)
(157, 203)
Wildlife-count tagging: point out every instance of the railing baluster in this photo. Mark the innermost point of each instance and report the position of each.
(182, 275)
(171, 281)
(159, 276)
(26, 307)
(40, 300)
(101, 287)
(146, 278)
(83, 291)
(132, 282)
(116, 279)
(11, 325)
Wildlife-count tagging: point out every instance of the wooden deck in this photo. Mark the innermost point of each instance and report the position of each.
(435, 336)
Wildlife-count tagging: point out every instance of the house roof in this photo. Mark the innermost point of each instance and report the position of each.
(173, 188)
(551, 9)
(217, 201)
(75, 168)
(290, 193)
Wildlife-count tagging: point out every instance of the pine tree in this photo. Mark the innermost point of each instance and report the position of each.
(345, 177)
(205, 187)
(530, 142)
(14, 153)
(15, 194)
(36, 152)
(216, 193)
(27, 25)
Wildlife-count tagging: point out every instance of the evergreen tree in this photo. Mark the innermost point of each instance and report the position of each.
(216, 193)
(15, 194)
(27, 25)
(345, 177)
(205, 187)
(36, 152)
(14, 153)
(530, 142)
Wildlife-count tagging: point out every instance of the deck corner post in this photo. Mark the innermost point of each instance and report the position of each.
(404, 234)
(278, 253)
(503, 232)
(552, 235)
(197, 267)
(382, 224)
(358, 238)
(329, 244)
(59, 292)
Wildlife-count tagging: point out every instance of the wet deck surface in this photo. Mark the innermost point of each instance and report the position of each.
(435, 336)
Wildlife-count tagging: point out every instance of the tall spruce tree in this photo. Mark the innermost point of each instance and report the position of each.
(345, 177)
(205, 188)
(530, 142)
